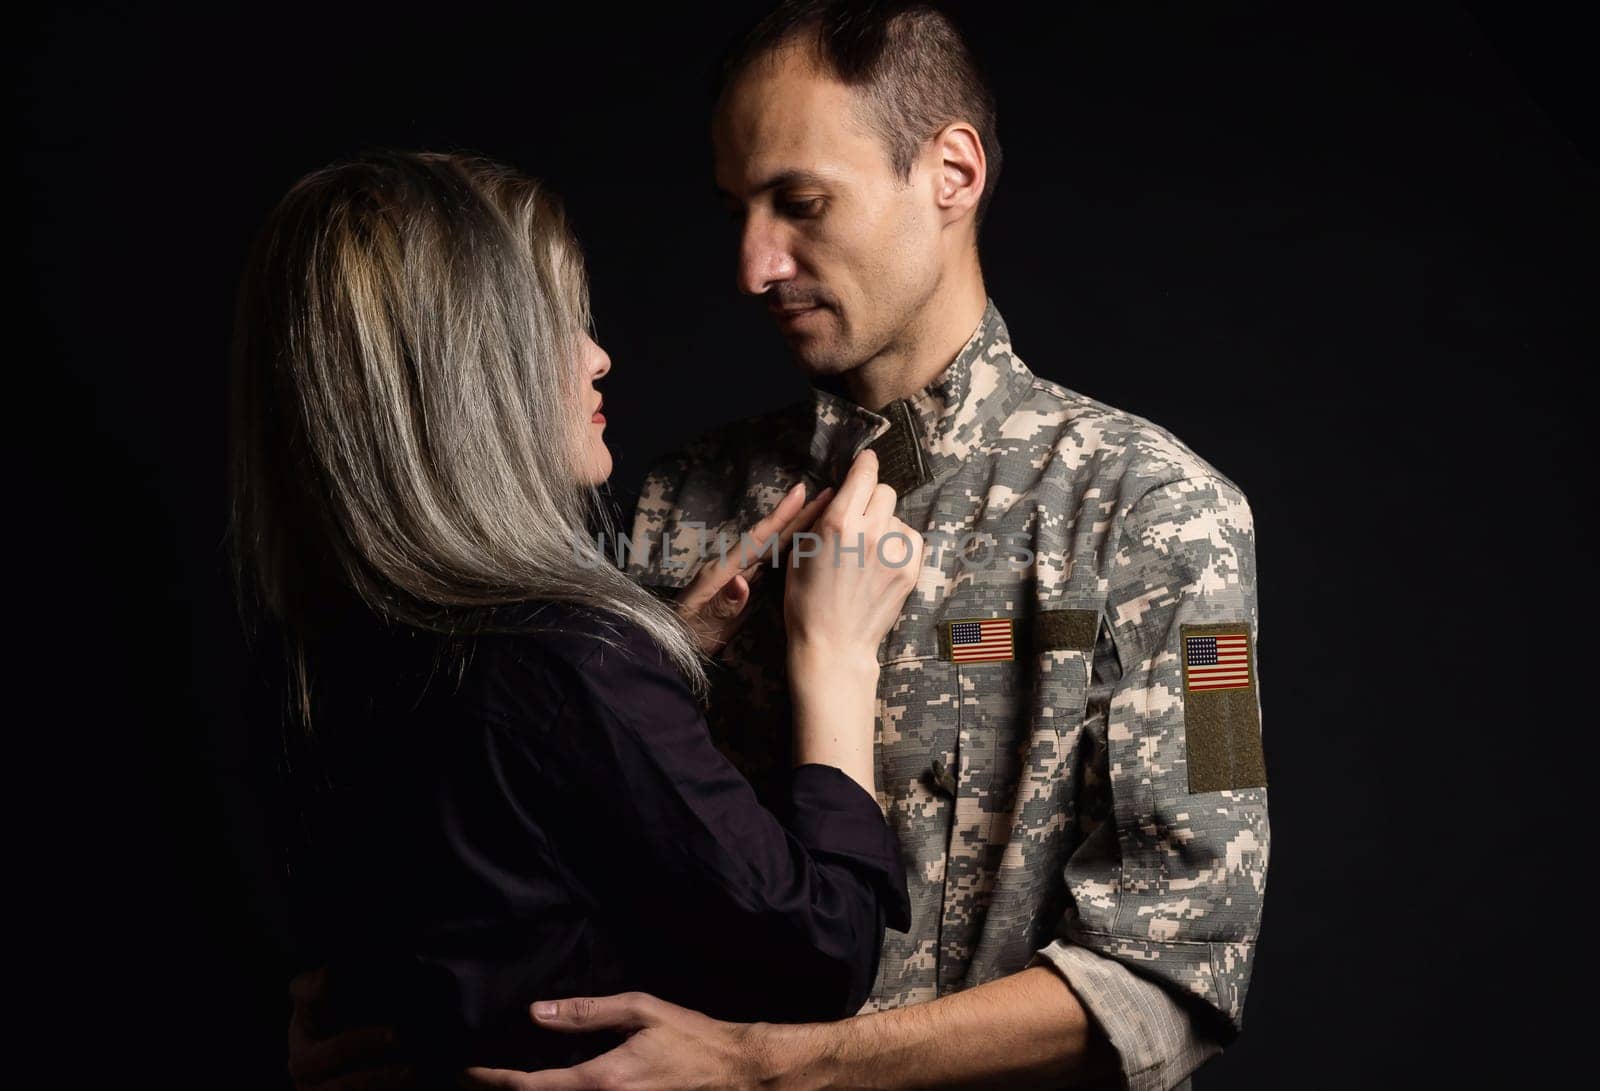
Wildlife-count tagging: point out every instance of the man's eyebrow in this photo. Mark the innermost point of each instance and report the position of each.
(776, 181)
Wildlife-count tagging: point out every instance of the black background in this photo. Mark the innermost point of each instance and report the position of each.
(1345, 253)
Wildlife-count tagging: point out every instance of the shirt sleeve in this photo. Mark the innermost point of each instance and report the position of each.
(1166, 889)
(735, 910)
(664, 549)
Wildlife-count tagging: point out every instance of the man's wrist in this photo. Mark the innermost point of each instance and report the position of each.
(790, 1056)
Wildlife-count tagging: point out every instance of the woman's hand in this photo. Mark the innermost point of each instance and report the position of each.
(713, 605)
(839, 603)
(844, 596)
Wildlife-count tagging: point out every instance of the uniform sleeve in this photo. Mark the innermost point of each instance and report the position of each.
(733, 909)
(686, 500)
(1166, 887)
(648, 557)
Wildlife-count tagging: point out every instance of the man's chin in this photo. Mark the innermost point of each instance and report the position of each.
(816, 358)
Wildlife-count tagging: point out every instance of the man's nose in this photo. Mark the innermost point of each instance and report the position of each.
(764, 259)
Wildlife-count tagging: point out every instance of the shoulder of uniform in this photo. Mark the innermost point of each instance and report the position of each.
(1133, 450)
(716, 446)
(704, 478)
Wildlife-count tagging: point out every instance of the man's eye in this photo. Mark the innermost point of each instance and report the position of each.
(805, 209)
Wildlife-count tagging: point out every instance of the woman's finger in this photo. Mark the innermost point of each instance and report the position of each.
(907, 552)
(801, 522)
(714, 575)
(858, 483)
(880, 505)
(774, 521)
(771, 531)
(808, 514)
(729, 601)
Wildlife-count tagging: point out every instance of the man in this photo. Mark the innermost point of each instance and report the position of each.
(1069, 737)
(1069, 748)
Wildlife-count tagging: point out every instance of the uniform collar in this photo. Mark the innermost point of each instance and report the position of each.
(923, 437)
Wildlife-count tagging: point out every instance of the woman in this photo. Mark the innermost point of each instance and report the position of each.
(503, 786)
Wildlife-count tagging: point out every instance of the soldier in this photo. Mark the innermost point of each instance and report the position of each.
(1069, 739)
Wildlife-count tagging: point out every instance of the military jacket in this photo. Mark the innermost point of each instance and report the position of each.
(1068, 731)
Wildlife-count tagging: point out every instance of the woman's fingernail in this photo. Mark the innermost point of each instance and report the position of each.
(544, 1009)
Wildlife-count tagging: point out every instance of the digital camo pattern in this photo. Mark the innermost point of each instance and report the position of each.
(1071, 822)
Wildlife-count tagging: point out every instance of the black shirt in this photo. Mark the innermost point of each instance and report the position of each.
(543, 815)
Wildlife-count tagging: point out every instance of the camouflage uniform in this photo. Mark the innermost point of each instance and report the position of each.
(1095, 802)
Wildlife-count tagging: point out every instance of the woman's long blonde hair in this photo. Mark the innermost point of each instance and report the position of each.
(407, 408)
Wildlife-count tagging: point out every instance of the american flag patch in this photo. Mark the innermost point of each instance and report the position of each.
(981, 640)
(1218, 661)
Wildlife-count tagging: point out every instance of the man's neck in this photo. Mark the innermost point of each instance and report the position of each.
(944, 326)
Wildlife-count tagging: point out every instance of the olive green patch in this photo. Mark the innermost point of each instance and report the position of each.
(1065, 630)
(1222, 719)
(899, 450)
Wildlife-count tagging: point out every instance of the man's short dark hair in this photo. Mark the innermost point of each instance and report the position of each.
(908, 59)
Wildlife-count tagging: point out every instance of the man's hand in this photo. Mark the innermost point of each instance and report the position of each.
(668, 1047)
(1021, 1032)
(713, 605)
(323, 1058)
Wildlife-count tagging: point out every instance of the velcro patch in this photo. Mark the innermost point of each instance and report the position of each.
(1222, 721)
(978, 640)
(1065, 630)
(899, 450)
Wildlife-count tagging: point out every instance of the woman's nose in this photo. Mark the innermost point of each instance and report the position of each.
(599, 360)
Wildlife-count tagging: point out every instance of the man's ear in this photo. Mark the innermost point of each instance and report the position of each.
(961, 170)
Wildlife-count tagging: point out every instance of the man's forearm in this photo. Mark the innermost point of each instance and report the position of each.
(1025, 1030)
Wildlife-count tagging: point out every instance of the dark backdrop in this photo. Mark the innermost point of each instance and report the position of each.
(1345, 253)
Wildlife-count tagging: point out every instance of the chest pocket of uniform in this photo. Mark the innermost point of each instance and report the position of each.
(1032, 692)
(1015, 780)
(998, 736)
(1019, 721)
(918, 716)
(1021, 730)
